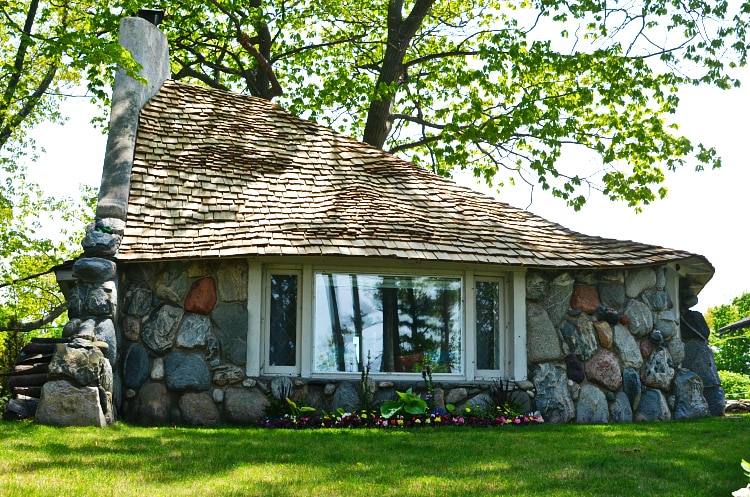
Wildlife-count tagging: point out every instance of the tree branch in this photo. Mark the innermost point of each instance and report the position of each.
(35, 325)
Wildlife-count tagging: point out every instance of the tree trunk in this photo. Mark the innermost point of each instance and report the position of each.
(400, 34)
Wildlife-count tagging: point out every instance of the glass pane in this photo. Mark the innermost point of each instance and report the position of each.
(283, 320)
(403, 322)
(488, 324)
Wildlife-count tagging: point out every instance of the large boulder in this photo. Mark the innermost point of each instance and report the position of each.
(689, 399)
(65, 404)
(244, 406)
(186, 372)
(542, 342)
(552, 395)
(592, 405)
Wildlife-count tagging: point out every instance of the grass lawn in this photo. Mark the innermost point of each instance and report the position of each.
(694, 458)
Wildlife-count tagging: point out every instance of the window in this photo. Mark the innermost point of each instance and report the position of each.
(489, 324)
(401, 321)
(283, 321)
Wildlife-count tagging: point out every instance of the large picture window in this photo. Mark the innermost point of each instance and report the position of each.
(401, 322)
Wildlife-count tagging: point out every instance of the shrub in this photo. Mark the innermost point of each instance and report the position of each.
(735, 385)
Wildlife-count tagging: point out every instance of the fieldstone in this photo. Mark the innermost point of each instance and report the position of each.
(97, 243)
(105, 332)
(227, 374)
(585, 298)
(139, 300)
(131, 328)
(586, 332)
(281, 387)
(632, 386)
(79, 360)
(94, 269)
(536, 286)
(630, 353)
(592, 407)
(198, 409)
(64, 404)
(542, 343)
(186, 372)
(171, 285)
(666, 322)
(689, 400)
(244, 406)
(619, 409)
(716, 399)
(86, 328)
(552, 395)
(136, 367)
(558, 297)
(604, 334)
(657, 371)
(157, 369)
(346, 397)
(694, 326)
(611, 295)
(232, 281)
(574, 368)
(193, 331)
(640, 318)
(200, 268)
(231, 331)
(482, 402)
(201, 297)
(676, 348)
(329, 389)
(71, 328)
(159, 331)
(574, 342)
(699, 358)
(456, 396)
(154, 405)
(574, 389)
(639, 280)
(653, 407)
(647, 348)
(100, 300)
(218, 395)
(657, 300)
(77, 302)
(604, 368)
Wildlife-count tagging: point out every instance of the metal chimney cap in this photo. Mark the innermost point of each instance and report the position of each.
(154, 16)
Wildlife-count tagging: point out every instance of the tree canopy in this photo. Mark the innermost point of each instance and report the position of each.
(499, 88)
(502, 89)
(732, 347)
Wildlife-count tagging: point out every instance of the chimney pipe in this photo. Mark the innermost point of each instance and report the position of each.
(154, 16)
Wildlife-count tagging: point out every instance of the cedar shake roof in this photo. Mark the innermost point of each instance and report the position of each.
(217, 174)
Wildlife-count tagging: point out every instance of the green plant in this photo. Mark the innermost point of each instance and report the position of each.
(503, 392)
(428, 384)
(298, 411)
(745, 491)
(365, 386)
(407, 403)
(735, 385)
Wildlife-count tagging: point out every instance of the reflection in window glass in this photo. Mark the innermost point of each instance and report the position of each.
(488, 324)
(403, 322)
(282, 349)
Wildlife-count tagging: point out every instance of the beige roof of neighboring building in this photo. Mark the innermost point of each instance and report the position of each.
(218, 174)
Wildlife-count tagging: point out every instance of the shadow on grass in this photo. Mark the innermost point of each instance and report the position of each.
(678, 458)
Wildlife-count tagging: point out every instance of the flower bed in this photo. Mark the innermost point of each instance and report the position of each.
(372, 419)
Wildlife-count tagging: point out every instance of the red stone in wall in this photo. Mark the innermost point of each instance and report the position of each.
(201, 297)
(585, 298)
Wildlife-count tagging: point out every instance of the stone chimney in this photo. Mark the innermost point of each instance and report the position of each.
(149, 48)
(83, 373)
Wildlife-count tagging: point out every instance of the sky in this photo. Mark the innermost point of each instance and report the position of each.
(704, 213)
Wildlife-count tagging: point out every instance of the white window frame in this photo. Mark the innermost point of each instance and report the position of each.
(505, 342)
(267, 367)
(513, 301)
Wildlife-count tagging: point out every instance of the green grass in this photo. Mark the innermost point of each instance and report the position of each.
(695, 458)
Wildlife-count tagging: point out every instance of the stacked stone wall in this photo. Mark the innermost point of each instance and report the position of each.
(607, 346)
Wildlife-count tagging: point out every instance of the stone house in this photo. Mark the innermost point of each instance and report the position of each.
(241, 252)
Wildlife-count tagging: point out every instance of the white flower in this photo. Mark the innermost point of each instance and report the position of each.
(743, 492)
